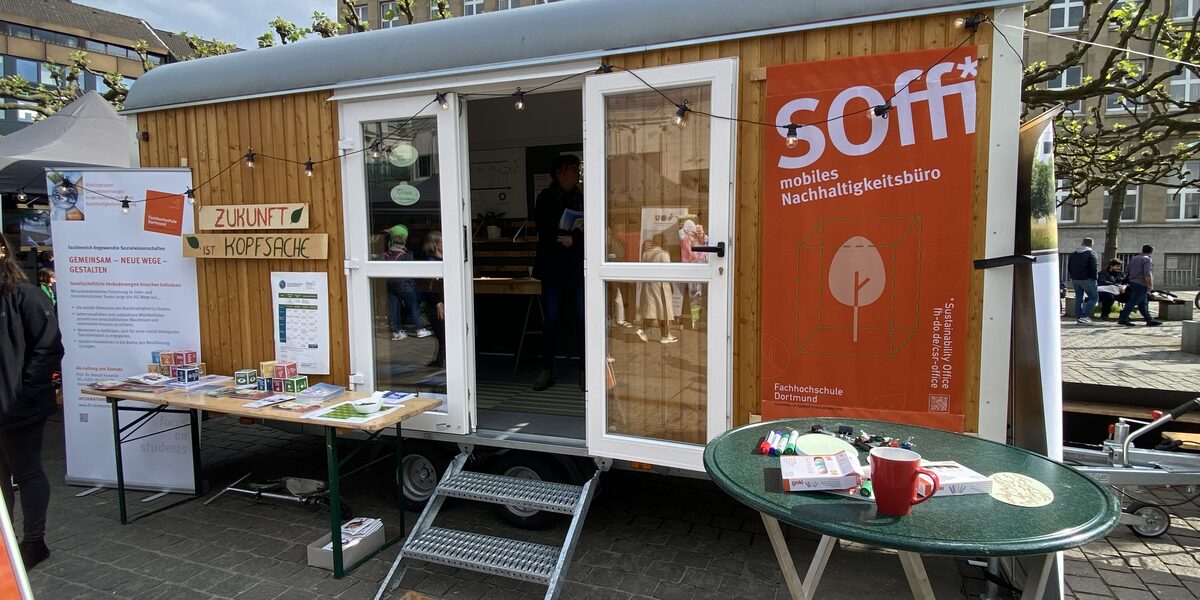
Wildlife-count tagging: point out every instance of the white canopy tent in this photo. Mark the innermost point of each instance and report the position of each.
(86, 133)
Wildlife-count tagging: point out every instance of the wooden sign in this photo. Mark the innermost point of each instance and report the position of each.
(282, 246)
(254, 216)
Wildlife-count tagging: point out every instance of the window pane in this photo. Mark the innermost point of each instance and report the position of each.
(1181, 9)
(403, 195)
(44, 73)
(1174, 201)
(657, 177)
(42, 35)
(1191, 206)
(409, 335)
(94, 46)
(20, 31)
(1075, 16)
(656, 384)
(27, 68)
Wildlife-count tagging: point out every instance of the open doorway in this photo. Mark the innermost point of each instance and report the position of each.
(511, 155)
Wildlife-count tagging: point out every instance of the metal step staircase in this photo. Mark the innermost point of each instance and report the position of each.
(526, 561)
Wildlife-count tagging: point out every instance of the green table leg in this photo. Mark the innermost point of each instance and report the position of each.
(194, 415)
(116, 419)
(335, 501)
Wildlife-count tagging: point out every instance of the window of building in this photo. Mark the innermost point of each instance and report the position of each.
(1186, 87)
(1129, 212)
(1184, 9)
(507, 4)
(1183, 203)
(20, 31)
(1180, 272)
(1069, 78)
(1118, 102)
(388, 15)
(27, 69)
(1066, 14)
(360, 11)
(45, 76)
(472, 7)
(154, 59)
(1067, 211)
(26, 116)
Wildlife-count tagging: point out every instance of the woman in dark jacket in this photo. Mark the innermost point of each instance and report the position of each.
(1111, 278)
(31, 352)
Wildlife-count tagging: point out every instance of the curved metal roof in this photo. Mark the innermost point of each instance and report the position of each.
(572, 29)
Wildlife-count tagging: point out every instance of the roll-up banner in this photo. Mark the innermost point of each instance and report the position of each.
(867, 225)
(124, 291)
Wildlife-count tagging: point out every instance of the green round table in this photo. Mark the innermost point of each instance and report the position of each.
(970, 525)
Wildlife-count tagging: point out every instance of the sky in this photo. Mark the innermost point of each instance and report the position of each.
(237, 21)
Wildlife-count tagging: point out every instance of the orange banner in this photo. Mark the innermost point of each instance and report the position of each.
(866, 237)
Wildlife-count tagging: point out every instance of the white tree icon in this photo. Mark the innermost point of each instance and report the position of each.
(856, 276)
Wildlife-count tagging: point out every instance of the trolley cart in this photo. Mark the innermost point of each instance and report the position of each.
(1119, 464)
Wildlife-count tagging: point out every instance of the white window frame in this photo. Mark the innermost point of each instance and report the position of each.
(1060, 198)
(384, 22)
(472, 7)
(507, 4)
(1113, 107)
(1061, 83)
(1192, 7)
(363, 12)
(1193, 167)
(1134, 193)
(1062, 10)
(1189, 82)
(453, 270)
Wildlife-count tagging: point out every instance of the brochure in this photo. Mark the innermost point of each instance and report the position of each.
(571, 219)
(150, 379)
(323, 392)
(268, 401)
(344, 412)
(355, 530)
(298, 406)
(955, 479)
(393, 398)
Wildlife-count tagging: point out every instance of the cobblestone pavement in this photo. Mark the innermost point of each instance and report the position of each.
(1105, 353)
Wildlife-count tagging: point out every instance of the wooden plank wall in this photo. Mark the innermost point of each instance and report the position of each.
(858, 40)
(235, 299)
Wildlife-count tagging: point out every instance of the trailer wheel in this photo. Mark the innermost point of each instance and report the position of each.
(1158, 521)
(421, 470)
(528, 466)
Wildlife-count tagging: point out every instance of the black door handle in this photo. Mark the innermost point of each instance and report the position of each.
(719, 249)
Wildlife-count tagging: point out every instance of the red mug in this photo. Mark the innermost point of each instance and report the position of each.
(894, 478)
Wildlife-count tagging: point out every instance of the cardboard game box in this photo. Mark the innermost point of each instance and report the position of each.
(284, 369)
(294, 384)
(955, 479)
(245, 378)
(817, 473)
(266, 368)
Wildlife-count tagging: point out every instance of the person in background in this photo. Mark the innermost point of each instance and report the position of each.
(31, 352)
(46, 281)
(1140, 277)
(690, 235)
(1111, 287)
(435, 304)
(1082, 266)
(616, 253)
(655, 299)
(558, 263)
(404, 289)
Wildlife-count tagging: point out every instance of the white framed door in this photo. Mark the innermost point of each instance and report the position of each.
(658, 204)
(404, 182)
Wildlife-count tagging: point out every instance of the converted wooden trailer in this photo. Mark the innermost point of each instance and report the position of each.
(416, 126)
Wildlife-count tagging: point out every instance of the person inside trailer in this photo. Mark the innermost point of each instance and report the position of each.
(558, 263)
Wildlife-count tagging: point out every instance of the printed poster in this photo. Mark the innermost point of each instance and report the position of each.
(300, 302)
(866, 238)
(125, 290)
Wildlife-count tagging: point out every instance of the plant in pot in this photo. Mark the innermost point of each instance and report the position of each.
(491, 223)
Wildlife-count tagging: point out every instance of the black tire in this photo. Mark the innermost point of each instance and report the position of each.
(424, 464)
(1158, 520)
(528, 465)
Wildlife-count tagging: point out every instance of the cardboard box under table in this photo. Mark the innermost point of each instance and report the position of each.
(193, 404)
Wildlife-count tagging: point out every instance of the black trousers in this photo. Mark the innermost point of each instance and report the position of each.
(561, 300)
(21, 463)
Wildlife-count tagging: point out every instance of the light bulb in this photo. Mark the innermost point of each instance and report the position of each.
(880, 112)
(680, 118)
(125, 206)
(250, 158)
(520, 96)
(190, 194)
(443, 102)
(308, 168)
(21, 196)
(792, 140)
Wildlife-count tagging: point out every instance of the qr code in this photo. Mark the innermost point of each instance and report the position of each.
(83, 417)
(939, 403)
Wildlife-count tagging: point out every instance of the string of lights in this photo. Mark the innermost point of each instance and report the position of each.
(379, 146)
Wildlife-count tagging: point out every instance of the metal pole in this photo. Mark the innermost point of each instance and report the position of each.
(335, 502)
(116, 419)
(400, 478)
(194, 415)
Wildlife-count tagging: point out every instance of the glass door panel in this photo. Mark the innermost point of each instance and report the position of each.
(658, 257)
(405, 227)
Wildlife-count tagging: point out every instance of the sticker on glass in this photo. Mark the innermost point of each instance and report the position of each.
(403, 155)
(405, 195)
